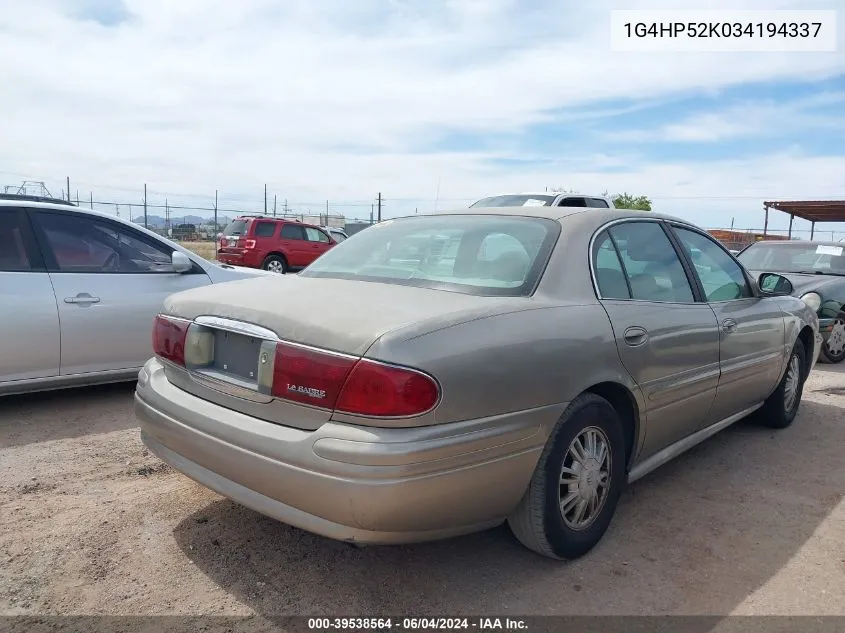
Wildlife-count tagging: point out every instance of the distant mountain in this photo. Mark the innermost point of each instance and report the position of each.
(158, 222)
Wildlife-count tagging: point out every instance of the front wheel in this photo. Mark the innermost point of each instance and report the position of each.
(833, 349)
(577, 482)
(781, 407)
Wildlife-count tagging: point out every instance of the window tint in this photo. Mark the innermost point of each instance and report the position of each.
(573, 202)
(315, 235)
(654, 270)
(84, 244)
(720, 275)
(610, 277)
(265, 229)
(475, 254)
(13, 254)
(235, 227)
(292, 232)
(598, 203)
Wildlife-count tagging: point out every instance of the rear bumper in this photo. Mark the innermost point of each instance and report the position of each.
(349, 483)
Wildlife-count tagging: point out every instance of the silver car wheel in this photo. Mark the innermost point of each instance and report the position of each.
(585, 478)
(836, 339)
(275, 266)
(793, 382)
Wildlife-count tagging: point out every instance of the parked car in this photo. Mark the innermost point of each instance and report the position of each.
(817, 272)
(79, 291)
(544, 200)
(274, 244)
(440, 374)
(338, 235)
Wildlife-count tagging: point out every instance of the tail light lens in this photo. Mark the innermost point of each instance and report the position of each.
(249, 243)
(169, 335)
(348, 385)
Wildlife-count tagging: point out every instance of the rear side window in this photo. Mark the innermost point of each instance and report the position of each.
(474, 254)
(652, 266)
(235, 227)
(598, 203)
(13, 252)
(610, 276)
(265, 229)
(573, 202)
(292, 232)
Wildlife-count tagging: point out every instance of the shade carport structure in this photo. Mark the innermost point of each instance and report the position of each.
(811, 210)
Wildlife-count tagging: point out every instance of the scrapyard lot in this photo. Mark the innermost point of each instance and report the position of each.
(750, 522)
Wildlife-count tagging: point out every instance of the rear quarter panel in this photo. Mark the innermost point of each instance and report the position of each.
(542, 356)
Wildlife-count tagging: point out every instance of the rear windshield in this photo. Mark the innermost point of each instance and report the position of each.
(474, 254)
(235, 227)
(515, 201)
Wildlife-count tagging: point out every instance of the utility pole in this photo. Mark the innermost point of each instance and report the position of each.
(379, 206)
(274, 205)
(91, 194)
(286, 206)
(216, 226)
(145, 206)
(68, 188)
(265, 199)
(372, 206)
(77, 197)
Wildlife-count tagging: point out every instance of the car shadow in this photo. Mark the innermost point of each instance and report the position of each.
(694, 537)
(65, 414)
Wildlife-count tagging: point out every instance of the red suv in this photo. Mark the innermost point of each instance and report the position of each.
(273, 244)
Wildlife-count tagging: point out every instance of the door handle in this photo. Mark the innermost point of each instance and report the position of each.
(728, 325)
(635, 336)
(82, 298)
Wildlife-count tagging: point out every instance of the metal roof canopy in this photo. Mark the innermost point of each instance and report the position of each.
(811, 210)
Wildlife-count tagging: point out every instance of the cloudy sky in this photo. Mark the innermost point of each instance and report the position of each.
(427, 101)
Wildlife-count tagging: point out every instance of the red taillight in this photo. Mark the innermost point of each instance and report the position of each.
(249, 243)
(169, 338)
(378, 390)
(348, 385)
(308, 376)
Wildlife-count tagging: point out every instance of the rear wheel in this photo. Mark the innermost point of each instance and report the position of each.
(781, 407)
(833, 349)
(275, 264)
(576, 485)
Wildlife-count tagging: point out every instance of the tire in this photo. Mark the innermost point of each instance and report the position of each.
(833, 349)
(276, 264)
(777, 412)
(538, 522)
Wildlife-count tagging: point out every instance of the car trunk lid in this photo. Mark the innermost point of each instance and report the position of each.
(245, 319)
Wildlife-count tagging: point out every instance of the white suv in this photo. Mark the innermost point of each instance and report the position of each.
(545, 199)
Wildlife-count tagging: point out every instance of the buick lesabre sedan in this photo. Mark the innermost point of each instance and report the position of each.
(438, 375)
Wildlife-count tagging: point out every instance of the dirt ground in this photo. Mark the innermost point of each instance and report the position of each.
(203, 249)
(750, 522)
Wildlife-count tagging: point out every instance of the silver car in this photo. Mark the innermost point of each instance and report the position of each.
(441, 374)
(79, 291)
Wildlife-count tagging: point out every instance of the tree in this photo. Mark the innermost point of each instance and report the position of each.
(627, 201)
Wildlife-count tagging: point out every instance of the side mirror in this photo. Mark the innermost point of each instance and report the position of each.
(774, 285)
(181, 262)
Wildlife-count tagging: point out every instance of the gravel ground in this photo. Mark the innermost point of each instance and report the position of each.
(750, 522)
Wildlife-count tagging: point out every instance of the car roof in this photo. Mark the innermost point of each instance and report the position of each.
(559, 213)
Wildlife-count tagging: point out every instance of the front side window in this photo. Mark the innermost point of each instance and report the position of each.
(721, 276)
(652, 265)
(475, 254)
(794, 257)
(315, 235)
(87, 244)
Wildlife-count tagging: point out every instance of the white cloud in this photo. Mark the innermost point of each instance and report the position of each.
(197, 94)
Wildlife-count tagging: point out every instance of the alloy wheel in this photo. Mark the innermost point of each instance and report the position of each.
(585, 478)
